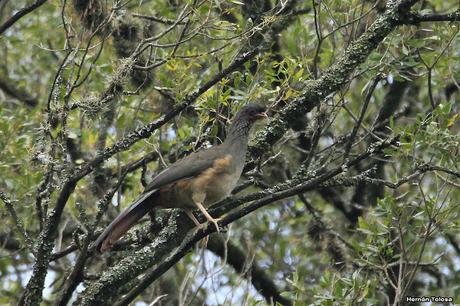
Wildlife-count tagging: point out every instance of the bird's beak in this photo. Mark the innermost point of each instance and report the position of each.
(262, 115)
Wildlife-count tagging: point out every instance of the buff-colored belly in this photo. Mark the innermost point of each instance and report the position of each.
(211, 186)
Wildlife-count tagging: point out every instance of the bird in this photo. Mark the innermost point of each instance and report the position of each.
(196, 181)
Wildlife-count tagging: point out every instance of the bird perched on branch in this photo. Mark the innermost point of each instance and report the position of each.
(196, 181)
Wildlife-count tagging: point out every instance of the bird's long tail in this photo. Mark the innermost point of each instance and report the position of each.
(125, 220)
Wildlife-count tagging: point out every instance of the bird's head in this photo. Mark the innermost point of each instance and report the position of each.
(252, 112)
(244, 119)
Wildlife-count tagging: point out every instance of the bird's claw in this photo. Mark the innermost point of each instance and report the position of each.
(205, 240)
(214, 222)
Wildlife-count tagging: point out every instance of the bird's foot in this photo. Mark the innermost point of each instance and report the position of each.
(214, 222)
(208, 216)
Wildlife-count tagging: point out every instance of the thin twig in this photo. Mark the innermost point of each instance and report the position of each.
(361, 115)
(159, 19)
(17, 222)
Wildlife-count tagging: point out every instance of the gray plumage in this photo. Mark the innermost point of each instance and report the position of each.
(205, 176)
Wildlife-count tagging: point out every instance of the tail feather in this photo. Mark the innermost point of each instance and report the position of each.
(121, 224)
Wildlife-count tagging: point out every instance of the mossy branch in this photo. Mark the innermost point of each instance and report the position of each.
(334, 78)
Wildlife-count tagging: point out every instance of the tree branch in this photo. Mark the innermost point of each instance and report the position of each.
(76, 275)
(147, 130)
(17, 222)
(35, 285)
(416, 18)
(17, 93)
(159, 19)
(174, 240)
(237, 258)
(333, 79)
(314, 92)
(21, 13)
(32, 294)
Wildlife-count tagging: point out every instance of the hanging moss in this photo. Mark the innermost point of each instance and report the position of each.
(92, 12)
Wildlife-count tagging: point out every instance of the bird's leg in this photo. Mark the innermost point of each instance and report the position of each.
(192, 216)
(208, 216)
(204, 242)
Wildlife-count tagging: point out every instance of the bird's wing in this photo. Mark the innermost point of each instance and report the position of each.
(191, 165)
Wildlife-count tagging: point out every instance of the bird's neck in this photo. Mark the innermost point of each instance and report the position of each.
(238, 135)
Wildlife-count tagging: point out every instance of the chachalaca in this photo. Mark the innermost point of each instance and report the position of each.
(198, 180)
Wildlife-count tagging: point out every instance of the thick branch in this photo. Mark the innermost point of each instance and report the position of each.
(33, 292)
(416, 18)
(21, 13)
(76, 275)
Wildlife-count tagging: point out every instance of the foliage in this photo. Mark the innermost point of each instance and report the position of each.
(379, 222)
